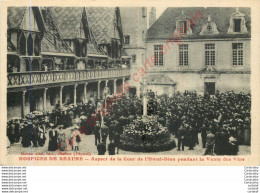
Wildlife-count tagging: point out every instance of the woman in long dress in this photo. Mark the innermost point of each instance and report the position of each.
(41, 137)
(26, 135)
(53, 144)
(62, 140)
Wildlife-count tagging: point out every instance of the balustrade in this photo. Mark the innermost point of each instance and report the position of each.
(40, 77)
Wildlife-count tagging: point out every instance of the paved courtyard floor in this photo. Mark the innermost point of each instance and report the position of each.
(87, 145)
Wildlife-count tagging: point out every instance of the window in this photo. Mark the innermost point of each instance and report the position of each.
(127, 39)
(209, 28)
(183, 27)
(237, 25)
(133, 58)
(22, 44)
(209, 54)
(30, 45)
(237, 54)
(158, 53)
(183, 55)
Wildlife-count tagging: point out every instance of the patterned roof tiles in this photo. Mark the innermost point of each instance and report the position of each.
(102, 21)
(68, 20)
(15, 16)
(52, 41)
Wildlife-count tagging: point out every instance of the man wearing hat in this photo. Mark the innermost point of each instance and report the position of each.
(11, 133)
(181, 136)
(210, 143)
(112, 130)
(104, 133)
(97, 132)
(17, 130)
(26, 135)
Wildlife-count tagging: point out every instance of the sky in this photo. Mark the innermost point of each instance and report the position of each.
(159, 11)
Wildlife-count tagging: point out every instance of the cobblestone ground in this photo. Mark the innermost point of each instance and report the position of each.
(87, 145)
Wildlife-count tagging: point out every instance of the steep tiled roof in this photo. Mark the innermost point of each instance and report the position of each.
(92, 48)
(15, 16)
(52, 40)
(165, 26)
(159, 79)
(68, 20)
(102, 21)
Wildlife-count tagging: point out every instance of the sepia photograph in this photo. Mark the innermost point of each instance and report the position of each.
(128, 80)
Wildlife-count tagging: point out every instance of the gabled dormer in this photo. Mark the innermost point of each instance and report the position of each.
(82, 36)
(25, 30)
(237, 23)
(209, 28)
(183, 25)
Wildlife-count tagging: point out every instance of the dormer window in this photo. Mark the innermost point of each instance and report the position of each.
(209, 28)
(237, 23)
(183, 27)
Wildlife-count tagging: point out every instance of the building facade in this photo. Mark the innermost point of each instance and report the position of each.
(202, 49)
(58, 56)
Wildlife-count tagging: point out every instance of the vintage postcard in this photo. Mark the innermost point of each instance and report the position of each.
(130, 83)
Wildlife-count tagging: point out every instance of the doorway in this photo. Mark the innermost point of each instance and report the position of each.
(209, 88)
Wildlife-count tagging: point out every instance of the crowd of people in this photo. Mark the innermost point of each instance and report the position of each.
(223, 121)
(56, 67)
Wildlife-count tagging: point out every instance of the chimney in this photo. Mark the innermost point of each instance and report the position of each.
(152, 16)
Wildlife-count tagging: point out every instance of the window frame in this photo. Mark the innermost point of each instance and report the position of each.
(234, 25)
(183, 55)
(127, 36)
(210, 55)
(185, 29)
(133, 58)
(159, 58)
(238, 58)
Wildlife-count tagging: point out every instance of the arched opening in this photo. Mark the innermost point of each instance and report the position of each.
(13, 63)
(47, 64)
(30, 45)
(35, 65)
(84, 49)
(22, 44)
(77, 48)
(37, 46)
(90, 64)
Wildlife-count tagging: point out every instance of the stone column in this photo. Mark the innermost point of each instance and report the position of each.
(85, 93)
(98, 90)
(75, 94)
(44, 99)
(114, 88)
(61, 88)
(123, 83)
(23, 103)
(144, 105)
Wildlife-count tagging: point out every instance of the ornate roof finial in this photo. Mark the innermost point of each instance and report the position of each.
(182, 12)
(237, 9)
(209, 18)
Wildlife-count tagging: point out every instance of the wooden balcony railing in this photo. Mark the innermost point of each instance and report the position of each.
(42, 77)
